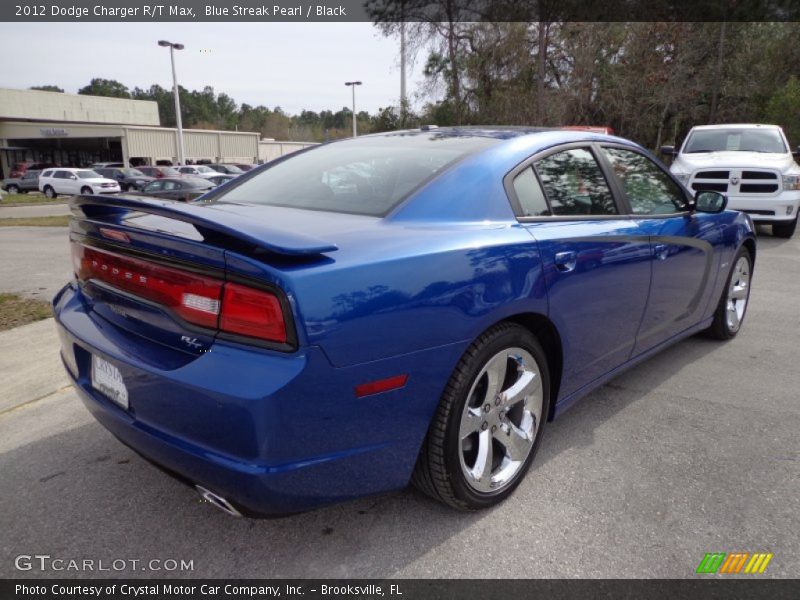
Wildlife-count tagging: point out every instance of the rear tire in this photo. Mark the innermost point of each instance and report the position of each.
(12, 189)
(784, 229)
(49, 192)
(489, 423)
(732, 306)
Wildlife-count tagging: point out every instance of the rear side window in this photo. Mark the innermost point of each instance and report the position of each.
(530, 195)
(574, 184)
(366, 176)
(47, 174)
(649, 190)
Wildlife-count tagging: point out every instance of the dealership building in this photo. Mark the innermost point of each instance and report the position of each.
(76, 130)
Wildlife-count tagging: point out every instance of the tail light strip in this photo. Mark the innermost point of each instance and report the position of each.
(198, 299)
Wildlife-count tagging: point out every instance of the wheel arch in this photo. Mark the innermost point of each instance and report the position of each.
(750, 244)
(548, 336)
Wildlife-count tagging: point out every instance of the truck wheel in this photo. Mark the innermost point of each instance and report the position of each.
(784, 229)
(12, 189)
(489, 422)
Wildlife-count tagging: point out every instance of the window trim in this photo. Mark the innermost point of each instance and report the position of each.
(687, 197)
(620, 199)
(623, 210)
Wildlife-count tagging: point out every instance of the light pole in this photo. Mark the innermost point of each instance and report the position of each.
(172, 47)
(353, 85)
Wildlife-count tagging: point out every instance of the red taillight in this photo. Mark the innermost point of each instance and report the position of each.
(198, 299)
(250, 312)
(194, 298)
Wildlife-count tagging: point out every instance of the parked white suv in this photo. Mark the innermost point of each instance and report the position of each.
(75, 181)
(752, 164)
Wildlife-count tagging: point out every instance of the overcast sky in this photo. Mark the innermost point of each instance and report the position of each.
(291, 65)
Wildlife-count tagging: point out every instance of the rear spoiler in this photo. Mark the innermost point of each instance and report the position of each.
(205, 219)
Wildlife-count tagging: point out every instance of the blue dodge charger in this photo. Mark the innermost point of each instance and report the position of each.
(410, 306)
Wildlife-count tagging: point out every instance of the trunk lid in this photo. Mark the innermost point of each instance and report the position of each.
(239, 248)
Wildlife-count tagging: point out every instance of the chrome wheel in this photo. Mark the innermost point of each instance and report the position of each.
(738, 292)
(501, 419)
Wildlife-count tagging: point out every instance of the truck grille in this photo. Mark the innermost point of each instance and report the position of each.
(736, 181)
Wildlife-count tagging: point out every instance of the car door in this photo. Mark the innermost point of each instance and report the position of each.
(596, 260)
(30, 181)
(682, 243)
(63, 182)
(154, 188)
(173, 190)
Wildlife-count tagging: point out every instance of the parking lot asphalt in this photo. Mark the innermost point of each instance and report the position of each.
(34, 261)
(697, 450)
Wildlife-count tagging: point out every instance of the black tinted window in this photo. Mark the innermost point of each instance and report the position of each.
(649, 190)
(365, 176)
(574, 184)
(530, 195)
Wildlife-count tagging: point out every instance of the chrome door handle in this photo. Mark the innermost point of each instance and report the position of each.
(566, 261)
(661, 251)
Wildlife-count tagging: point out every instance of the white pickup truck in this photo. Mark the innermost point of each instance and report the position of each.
(752, 164)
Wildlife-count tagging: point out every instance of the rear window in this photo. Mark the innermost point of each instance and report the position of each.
(366, 176)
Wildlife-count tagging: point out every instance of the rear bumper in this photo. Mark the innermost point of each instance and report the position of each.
(783, 207)
(273, 433)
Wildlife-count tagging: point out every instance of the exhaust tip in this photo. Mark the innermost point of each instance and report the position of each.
(217, 500)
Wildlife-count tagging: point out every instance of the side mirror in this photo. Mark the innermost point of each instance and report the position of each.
(706, 201)
(668, 150)
(73, 177)
(796, 152)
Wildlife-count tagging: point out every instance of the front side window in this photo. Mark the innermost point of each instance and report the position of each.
(154, 186)
(574, 184)
(649, 190)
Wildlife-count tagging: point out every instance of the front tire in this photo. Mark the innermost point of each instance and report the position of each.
(784, 229)
(489, 422)
(732, 307)
(86, 191)
(49, 192)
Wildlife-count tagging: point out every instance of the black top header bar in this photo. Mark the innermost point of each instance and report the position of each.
(400, 10)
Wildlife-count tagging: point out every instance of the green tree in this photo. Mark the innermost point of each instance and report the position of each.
(47, 88)
(105, 87)
(783, 109)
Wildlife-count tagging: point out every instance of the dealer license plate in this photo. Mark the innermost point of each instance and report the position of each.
(107, 380)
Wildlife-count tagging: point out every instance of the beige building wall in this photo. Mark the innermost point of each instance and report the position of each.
(269, 150)
(75, 108)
